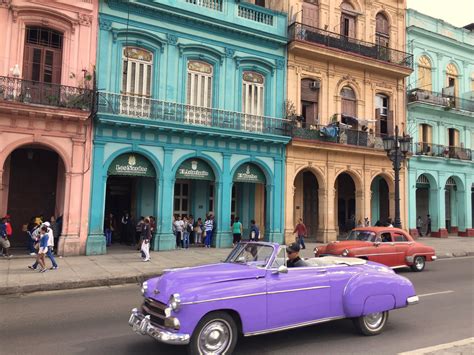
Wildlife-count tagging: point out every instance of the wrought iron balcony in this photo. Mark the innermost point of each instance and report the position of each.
(38, 93)
(441, 151)
(436, 98)
(334, 134)
(301, 32)
(145, 108)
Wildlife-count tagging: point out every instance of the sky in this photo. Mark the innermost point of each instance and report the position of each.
(456, 12)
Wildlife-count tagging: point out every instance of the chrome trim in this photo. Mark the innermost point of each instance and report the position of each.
(225, 298)
(412, 300)
(298, 289)
(398, 266)
(141, 324)
(434, 257)
(287, 327)
(358, 256)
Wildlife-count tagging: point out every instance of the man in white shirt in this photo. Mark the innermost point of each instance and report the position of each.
(179, 227)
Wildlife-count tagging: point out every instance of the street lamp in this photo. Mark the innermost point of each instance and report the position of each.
(397, 148)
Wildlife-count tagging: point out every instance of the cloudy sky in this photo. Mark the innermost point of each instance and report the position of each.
(457, 12)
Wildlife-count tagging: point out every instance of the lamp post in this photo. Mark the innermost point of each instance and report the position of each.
(397, 148)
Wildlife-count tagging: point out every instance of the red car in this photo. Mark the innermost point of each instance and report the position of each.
(385, 245)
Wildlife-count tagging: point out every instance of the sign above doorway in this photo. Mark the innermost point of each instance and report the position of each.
(195, 169)
(249, 173)
(131, 165)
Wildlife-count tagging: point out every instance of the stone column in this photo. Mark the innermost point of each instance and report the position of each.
(322, 212)
(469, 232)
(412, 215)
(165, 239)
(439, 227)
(290, 191)
(223, 237)
(276, 202)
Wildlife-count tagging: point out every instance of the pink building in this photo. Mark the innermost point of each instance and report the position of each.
(47, 58)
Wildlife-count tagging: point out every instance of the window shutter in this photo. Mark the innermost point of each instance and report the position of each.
(352, 27)
(390, 123)
(310, 15)
(377, 121)
(28, 63)
(421, 137)
(57, 65)
(429, 134)
(456, 138)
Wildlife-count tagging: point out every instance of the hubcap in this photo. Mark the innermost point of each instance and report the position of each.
(419, 263)
(215, 337)
(374, 321)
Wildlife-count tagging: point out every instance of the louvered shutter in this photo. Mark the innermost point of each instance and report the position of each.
(377, 121)
(390, 123)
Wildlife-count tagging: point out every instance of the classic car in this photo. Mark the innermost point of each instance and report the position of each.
(386, 245)
(253, 292)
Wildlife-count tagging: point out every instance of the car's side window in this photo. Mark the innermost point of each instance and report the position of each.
(386, 238)
(399, 237)
(280, 259)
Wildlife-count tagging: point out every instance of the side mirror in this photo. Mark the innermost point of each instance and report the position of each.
(377, 243)
(283, 269)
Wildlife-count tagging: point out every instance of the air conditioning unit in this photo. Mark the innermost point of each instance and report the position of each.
(314, 85)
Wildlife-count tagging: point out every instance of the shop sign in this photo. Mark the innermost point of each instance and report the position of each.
(131, 165)
(249, 173)
(195, 169)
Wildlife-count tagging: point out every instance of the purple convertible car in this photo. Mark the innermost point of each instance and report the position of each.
(253, 292)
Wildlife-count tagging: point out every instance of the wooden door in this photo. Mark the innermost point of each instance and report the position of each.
(310, 16)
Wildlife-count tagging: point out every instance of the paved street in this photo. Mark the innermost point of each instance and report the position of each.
(94, 321)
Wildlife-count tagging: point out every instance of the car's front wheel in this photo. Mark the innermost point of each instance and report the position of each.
(371, 324)
(216, 333)
(418, 263)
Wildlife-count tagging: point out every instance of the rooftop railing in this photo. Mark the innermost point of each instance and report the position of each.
(210, 4)
(254, 13)
(301, 32)
(334, 134)
(436, 98)
(441, 151)
(39, 93)
(140, 107)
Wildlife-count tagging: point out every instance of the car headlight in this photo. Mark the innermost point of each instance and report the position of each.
(173, 323)
(345, 252)
(144, 287)
(174, 301)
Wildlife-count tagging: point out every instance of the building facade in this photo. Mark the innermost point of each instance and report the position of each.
(346, 72)
(190, 116)
(46, 73)
(441, 119)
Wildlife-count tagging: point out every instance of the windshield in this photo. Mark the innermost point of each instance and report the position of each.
(252, 254)
(366, 236)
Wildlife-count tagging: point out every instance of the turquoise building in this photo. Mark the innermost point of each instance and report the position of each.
(441, 120)
(190, 116)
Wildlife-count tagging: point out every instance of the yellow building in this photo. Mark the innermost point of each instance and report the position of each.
(346, 71)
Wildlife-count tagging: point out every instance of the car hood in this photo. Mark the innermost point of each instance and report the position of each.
(189, 281)
(338, 247)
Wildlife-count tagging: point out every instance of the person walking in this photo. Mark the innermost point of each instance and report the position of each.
(419, 226)
(109, 228)
(138, 233)
(179, 226)
(8, 228)
(124, 228)
(31, 242)
(42, 248)
(300, 230)
(254, 231)
(49, 252)
(236, 231)
(187, 228)
(191, 221)
(208, 228)
(198, 229)
(4, 241)
(428, 225)
(146, 235)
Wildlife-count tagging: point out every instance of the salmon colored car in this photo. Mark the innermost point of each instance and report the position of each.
(385, 245)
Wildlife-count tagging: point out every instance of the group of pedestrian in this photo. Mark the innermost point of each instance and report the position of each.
(127, 230)
(420, 224)
(32, 230)
(42, 237)
(187, 230)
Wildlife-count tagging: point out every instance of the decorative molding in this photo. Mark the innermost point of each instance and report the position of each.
(105, 25)
(172, 39)
(85, 20)
(229, 52)
(5, 3)
(280, 64)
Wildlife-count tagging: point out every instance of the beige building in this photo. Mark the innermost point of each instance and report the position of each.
(346, 72)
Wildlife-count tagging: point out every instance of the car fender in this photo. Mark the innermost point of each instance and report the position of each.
(370, 292)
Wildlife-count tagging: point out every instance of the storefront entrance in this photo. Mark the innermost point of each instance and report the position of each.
(307, 202)
(380, 201)
(346, 203)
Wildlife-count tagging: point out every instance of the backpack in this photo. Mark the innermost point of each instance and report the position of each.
(189, 227)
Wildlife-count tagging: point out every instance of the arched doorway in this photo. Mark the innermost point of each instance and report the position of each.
(380, 200)
(423, 200)
(346, 203)
(452, 212)
(34, 178)
(194, 189)
(306, 202)
(131, 186)
(249, 197)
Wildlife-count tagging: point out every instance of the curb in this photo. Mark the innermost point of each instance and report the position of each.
(123, 280)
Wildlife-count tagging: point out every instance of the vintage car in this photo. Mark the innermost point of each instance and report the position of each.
(253, 292)
(386, 245)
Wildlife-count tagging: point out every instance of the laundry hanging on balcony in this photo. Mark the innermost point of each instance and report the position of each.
(331, 130)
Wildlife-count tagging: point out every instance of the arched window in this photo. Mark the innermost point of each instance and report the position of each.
(452, 80)
(348, 20)
(253, 93)
(310, 13)
(348, 104)
(42, 60)
(424, 73)
(382, 30)
(383, 115)
(199, 85)
(137, 71)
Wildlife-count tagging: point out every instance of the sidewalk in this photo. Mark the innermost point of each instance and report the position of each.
(123, 265)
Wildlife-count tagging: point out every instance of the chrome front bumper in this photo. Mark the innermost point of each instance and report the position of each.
(141, 324)
(412, 300)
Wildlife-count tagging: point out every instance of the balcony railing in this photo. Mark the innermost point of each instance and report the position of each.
(436, 98)
(334, 134)
(210, 4)
(441, 151)
(34, 92)
(251, 12)
(139, 107)
(301, 32)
